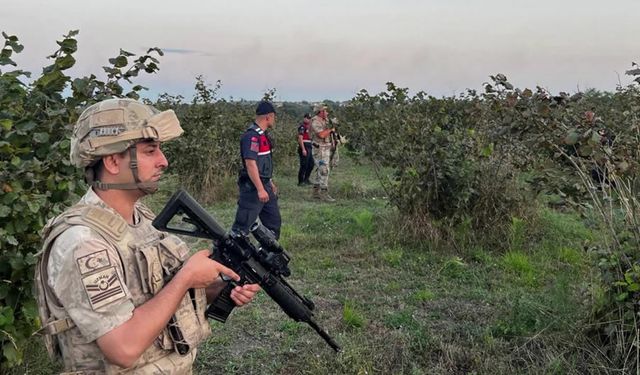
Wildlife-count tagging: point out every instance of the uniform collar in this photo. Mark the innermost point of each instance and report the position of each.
(256, 128)
(92, 199)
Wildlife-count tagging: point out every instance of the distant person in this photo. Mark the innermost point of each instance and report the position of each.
(335, 141)
(305, 151)
(258, 192)
(321, 139)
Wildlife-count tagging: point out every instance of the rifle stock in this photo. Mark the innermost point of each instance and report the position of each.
(266, 264)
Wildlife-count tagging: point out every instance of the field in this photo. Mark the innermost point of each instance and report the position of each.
(403, 306)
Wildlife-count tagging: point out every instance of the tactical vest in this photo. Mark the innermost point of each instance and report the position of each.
(149, 258)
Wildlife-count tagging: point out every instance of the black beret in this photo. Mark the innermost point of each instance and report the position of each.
(264, 108)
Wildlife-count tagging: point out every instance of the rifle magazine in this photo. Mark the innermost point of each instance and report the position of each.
(221, 307)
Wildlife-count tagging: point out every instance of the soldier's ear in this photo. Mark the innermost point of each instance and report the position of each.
(112, 163)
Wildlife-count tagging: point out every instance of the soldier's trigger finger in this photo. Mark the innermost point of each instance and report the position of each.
(227, 274)
(227, 279)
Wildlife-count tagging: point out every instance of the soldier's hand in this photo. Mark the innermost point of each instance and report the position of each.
(304, 152)
(242, 295)
(263, 196)
(274, 187)
(202, 271)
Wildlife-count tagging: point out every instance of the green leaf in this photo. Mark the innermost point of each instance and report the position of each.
(30, 310)
(34, 206)
(11, 240)
(6, 124)
(10, 353)
(571, 138)
(586, 150)
(54, 80)
(125, 53)
(41, 137)
(65, 62)
(4, 211)
(25, 127)
(633, 287)
(622, 296)
(68, 45)
(156, 49)
(4, 289)
(6, 316)
(119, 62)
(487, 151)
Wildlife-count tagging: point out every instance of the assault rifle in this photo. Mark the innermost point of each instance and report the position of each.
(335, 134)
(266, 264)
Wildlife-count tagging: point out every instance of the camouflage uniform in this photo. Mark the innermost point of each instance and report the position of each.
(322, 152)
(93, 285)
(95, 268)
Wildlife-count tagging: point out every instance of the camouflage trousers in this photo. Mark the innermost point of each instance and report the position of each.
(322, 157)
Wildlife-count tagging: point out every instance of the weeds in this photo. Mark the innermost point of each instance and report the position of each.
(351, 316)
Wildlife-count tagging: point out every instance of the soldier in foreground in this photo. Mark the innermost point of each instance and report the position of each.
(321, 138)
(116, 295)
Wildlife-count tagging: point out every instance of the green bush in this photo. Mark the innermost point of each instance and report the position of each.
(442, 167)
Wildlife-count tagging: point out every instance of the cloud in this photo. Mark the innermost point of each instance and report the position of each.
(183, 51)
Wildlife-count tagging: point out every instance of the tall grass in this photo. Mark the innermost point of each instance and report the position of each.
(614, 331)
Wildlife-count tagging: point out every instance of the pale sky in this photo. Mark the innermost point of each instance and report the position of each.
(332, 49)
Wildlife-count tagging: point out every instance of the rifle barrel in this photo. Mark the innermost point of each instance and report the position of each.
(334, 345)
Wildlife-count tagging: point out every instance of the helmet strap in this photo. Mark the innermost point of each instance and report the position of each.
(148, 187)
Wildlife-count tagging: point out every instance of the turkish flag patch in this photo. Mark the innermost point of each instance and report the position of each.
(255, 146)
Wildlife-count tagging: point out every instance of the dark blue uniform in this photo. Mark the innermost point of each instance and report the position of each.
(255, 145)
(306, 162)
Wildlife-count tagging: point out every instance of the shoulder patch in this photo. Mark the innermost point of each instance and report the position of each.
(255, 146)
(93, 262)
(103, 287)
(97, 218)
(145, 211)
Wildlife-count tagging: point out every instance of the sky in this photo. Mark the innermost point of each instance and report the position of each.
(332, 49)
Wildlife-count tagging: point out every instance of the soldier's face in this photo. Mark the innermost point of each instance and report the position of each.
(151, 161)
(272, 120)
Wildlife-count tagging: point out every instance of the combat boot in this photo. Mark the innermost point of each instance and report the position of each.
(316, 192)
(324, 196)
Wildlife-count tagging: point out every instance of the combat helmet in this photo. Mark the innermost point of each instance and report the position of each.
(113, 126)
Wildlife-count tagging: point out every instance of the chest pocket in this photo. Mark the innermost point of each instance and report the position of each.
(157, 264)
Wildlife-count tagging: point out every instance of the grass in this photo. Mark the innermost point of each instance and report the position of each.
(400, 306)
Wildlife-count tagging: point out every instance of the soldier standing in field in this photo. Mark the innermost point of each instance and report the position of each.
(115, 295)
(305, 151)
(258, 192)
(321, 140)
